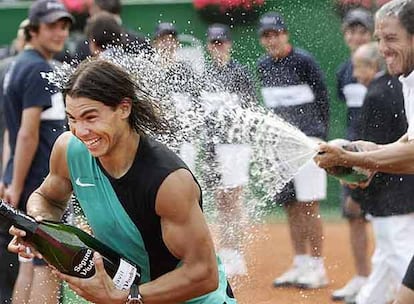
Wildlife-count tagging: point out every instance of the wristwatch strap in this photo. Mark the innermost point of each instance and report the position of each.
(134, 295)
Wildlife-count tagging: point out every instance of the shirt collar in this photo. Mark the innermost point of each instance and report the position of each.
(409, 80)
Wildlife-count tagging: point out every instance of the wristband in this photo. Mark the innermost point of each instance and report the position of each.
(134, 296)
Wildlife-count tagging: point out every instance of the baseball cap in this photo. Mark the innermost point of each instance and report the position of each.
(48, 11)
(271, 21)
(359, 16)
(218, 32)
(165, 28)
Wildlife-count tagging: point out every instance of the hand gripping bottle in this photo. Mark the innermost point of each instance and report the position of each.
(70, 250)
(350, 175)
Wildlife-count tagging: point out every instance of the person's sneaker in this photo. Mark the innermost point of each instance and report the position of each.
(312, 278)
(290, 277)
(350, 299)
(350, 290)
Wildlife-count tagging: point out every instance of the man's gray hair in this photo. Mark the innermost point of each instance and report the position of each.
(402, 9)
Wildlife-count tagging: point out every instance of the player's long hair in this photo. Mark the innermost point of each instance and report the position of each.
(103, 81)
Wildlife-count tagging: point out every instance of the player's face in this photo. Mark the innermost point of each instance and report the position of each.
(356, 35)
(396, 45)
(98, 126)
(275, 43)
(51, 37)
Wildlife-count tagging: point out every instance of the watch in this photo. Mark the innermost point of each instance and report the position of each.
(134, 296)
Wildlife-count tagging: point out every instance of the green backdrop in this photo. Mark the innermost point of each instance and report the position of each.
(313, 25)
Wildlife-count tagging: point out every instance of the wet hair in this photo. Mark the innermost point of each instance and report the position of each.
(402, 9)
(111, 6)
(104, 30)
(103, 81)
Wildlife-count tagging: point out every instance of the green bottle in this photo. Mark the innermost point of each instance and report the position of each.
(350, 175)
(70, 250)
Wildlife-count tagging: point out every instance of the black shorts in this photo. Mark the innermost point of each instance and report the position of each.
(408, 280)
(354, 194)
(287, 195)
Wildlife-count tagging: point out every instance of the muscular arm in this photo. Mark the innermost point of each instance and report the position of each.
(50, 199)
(187, 236)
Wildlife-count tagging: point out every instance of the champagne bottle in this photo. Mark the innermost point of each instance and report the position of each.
(70, 250)
(350, 175)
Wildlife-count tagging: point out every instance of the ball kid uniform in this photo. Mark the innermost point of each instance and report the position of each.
(121, 212)
(294, 88)
(352, 93)
(230, 85)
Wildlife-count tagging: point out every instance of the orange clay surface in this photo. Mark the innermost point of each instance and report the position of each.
(269, 253)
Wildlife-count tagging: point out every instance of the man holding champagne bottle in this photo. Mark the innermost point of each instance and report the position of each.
(140, 198)
(394, 30)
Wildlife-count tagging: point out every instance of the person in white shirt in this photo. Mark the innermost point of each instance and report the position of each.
(394, 30)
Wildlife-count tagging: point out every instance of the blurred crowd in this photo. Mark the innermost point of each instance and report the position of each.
(291, 84)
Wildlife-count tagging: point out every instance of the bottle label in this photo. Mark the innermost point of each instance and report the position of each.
(84, 266)
(125, 275)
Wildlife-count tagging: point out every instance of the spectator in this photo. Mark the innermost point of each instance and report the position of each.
(135, 42)
(9, 263)
(389, 197)
(357, 26)
(394, 30)
(103, 33)
(294, 88)
(34, 118)
(231, 84)
(177, 81)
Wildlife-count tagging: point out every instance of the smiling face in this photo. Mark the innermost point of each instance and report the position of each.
(275, 42)
(100, 127)
(50, 38)
(396, 45)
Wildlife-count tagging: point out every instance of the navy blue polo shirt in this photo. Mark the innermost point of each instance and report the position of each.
(24, 87)
(352, 93)
(294, 88)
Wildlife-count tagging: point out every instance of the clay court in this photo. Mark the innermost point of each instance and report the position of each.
(269, 254)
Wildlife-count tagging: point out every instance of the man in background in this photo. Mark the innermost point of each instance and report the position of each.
(231, 85)
(357, 27)
(294, 88)
(136, 42)
(8, 261)
(35, 117)
(394, 30)
(389, 197)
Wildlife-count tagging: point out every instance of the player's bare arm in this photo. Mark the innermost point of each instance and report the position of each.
(187, 236)
(50, 199)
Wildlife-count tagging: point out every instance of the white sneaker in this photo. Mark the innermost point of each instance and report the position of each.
(234, 262)
(312, 278)
(350, 290)
(290, 277)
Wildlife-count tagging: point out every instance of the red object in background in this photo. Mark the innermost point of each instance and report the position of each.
(77, 6)
(225, 5)
(229, 11)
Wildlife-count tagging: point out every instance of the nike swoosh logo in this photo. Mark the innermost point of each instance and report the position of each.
(79, 183)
